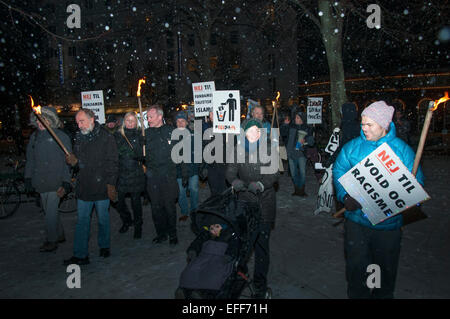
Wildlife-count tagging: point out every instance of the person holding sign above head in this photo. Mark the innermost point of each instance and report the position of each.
(366, 244)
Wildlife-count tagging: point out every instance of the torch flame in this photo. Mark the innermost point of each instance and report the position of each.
(139, 86)
(37, 109)
(441, 100)
(278, 95)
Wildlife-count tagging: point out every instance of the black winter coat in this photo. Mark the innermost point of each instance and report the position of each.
(251, 172)
(98, 163)
(158, 149)
(131, 174)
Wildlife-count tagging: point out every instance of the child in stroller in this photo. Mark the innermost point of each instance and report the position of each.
(218, 256)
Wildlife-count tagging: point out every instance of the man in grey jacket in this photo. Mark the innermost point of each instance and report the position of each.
(47, 172)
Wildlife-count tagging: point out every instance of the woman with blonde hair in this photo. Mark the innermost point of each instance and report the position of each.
(131, 174)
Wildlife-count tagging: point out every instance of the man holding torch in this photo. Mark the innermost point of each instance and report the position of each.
(47, 172)
(364, 243)
(96, 159)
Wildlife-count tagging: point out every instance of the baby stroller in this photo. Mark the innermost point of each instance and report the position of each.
(220, 270)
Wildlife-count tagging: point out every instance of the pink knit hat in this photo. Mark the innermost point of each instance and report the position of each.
(380, 112)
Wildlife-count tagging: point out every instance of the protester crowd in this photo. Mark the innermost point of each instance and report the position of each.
(113, 161)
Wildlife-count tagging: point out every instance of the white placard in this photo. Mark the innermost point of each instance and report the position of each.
(383, 185)
(93, 100)
(203, 93)
(325, 197)
(226, 112)
(333, 142)
(144, 116)
(314, 110)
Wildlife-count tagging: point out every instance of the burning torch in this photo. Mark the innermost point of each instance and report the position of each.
(138, 94)
(37, 112)
(275, 105)
(432, 106)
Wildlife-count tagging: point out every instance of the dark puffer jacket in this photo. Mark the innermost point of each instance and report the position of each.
(131, 174)
(98, 163)
(251, 172)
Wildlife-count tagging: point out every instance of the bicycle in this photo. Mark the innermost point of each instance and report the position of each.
(12, 189)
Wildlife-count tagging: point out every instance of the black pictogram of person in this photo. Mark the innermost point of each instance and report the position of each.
(232, 105)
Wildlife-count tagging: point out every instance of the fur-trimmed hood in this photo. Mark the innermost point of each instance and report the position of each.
(48, 113)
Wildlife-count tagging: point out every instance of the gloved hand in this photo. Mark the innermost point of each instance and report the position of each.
(191, 254)
(61, 192)
(67, 187)
(112, 193)
(350, 203)
(28, 187)
(71, 159)
(238, 185)
(255, 187)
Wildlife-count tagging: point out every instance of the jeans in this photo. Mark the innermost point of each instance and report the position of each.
(297, 167)
(365, 246)
(83, 227)
(193, 195)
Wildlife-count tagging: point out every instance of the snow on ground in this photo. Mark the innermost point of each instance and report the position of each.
(307, 259)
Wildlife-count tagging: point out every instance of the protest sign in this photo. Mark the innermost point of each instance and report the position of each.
(325, 196)
(333, 142)
(203, 103)
(226, 112)
(144, 116)
(93, 100)
(383, 185)
(314, 110)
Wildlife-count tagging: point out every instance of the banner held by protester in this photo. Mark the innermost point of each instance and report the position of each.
(325, 196)
(203, 98)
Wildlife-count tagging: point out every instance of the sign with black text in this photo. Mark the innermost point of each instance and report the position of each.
(325, 196)
(203, 94)
(93, 100)
(383, 185)
(314, 110)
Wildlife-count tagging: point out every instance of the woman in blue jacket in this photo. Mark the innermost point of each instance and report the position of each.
(364, 243)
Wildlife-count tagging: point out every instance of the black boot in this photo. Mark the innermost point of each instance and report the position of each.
(296, 191)
(302, 191)
(137, 232)
(124, 227)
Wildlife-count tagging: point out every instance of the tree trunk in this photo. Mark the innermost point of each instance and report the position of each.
(331, 29)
